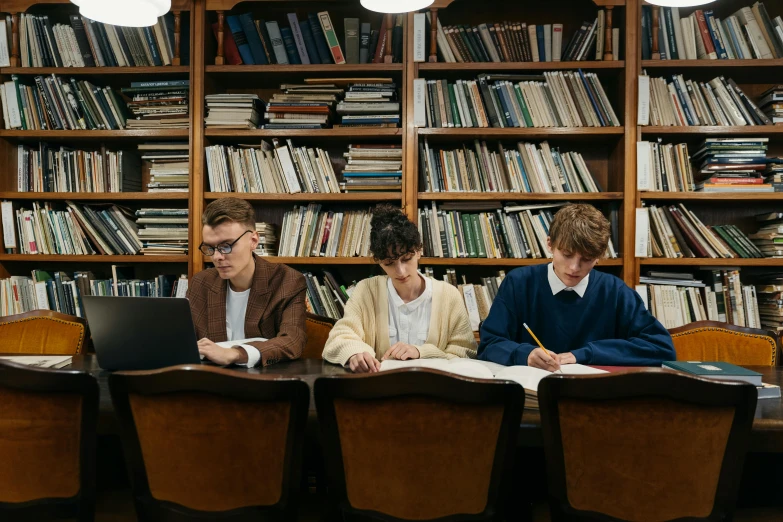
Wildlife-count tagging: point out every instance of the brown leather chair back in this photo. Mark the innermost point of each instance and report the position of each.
(418, 444)
(47, 443)
(43, 332)
(206, 443)
(317, 328)
(644, 446)
(715, 341)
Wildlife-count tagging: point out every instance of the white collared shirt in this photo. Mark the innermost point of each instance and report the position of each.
(557, 285)
(236, 309)
(409, 322)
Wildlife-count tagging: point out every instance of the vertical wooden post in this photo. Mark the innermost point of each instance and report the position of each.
(177, 37)
(608, 34)
(219, 60)
(656, 55)
(15, 60)
(387, 53)
(433, 35)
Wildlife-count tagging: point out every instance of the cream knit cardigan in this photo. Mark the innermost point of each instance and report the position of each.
(365, 324)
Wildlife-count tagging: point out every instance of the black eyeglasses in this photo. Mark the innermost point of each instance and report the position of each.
(223, 248)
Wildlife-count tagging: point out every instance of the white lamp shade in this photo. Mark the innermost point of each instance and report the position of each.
(127, 13)
(679, 3)
(394, 6)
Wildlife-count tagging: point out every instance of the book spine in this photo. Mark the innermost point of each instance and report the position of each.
(331, 37)
(301, 48)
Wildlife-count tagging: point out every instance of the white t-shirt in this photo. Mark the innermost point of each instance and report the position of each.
(409, 322)
(236, 309)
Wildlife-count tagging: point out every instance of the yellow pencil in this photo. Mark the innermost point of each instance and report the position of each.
(537, 341)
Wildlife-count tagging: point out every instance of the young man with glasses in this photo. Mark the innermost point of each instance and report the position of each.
(244, 296)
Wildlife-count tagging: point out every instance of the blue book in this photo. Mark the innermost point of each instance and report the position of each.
(734, 42)
(542, 57)
(721, 371)
(592, 99)
(239, 38)
(673, 51)
(152, 44)
(320, 39)
(716, 41)
(522, 170)
(253, 39)
(309, 40)
(290, 45)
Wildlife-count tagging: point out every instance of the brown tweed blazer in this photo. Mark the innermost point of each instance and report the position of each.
(275, 309)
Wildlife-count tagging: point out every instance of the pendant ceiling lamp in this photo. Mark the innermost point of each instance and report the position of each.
(395, 6)
(679, 3)
(128, 13)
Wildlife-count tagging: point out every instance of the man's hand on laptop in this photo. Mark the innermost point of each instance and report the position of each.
(220, 355)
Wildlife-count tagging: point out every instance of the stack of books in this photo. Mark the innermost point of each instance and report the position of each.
(168, 164)
(678, 232)
(683, 102)
(158, 104)
(456, 230)
(47, 168)
(372, 168)
(302, 106)
(233, 111)
(773, 173)
(749, 33)
(267, 241)
(87, 43)
(732, 165)
(554, 99)
(56, 104)
(276, 168)
(663, 167)
(312, 232)
(769, 237)
(676, 299)
(314, 40)
(769, 290)
(163, 231)
(771, 103)
(372, 103)
(81, 230)
(477, 168)
(326, 297)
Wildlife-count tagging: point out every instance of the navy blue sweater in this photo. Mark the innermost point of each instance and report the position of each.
(609, 325)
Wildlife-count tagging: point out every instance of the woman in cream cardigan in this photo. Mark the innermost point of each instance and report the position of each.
(402, 315)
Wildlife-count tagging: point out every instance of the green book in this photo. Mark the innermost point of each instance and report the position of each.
(467, 230)
(481, 250)
(721, 371)
(523, 105)
(724, 234)
(454, 110)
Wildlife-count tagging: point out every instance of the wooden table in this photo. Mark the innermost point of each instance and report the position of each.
(767, 433)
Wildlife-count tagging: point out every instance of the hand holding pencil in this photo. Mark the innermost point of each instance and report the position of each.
(545, 360)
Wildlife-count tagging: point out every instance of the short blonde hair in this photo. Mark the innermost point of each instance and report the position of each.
(580, 228)
(229, 210)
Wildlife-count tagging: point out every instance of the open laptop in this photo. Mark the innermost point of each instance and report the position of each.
(141, 333)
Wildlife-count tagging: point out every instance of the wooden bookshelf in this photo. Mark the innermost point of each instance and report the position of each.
(723, 262)
(707, 132)
(96, 196)
(617, 65)
(101, 71)
(500, 263)
(35, 258)
(307, 197)
(519, 196)
(713, 196)
(711, 64)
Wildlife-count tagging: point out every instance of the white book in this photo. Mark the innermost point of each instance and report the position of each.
(678, 36)
(643, 109)
(419, 38)
(12, 101)
(471, 303)
(643, 166)
(9, 228)
(557, 42)
(642, 291)
(5, 60)
(443, 44)
(40, 361)
(642, 237)
(600, 37)
(547, 43)
(616, 43)
(419, 102)
(745, 15)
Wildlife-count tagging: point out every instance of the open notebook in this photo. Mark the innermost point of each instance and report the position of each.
(527, 376)
(40, 361)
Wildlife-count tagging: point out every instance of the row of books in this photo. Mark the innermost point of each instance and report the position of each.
(56, 104)
(769, 236)
(478, 298)
(520, 42)
(372, 167)
(326, 297)
(168, 164)
(161, 104)
(678, 232)
(771, 104)
(162, 231)
(529, 168)
(63, 293)
(685, 103)
(677, 299)
(233, 111)
(87, 43)
(310, 41)
(267, 240)
(750, 33)
(515, 231)
(554, 99)
(309, 231)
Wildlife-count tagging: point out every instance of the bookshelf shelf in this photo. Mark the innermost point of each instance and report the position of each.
(761, 262)
(94, 134)
(751, 130)
(93, 259)
(712, 64)
(96, 196)
(722, 196)
(98, 71)
(521, 196)
(370, 68)
(317, 260)
(616, 65)
(514, 132)
(361, 132)
(474, 261)
(342, 197)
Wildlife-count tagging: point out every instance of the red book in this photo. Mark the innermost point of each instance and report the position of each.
(378, 58)
(230, 51)
(705, 35)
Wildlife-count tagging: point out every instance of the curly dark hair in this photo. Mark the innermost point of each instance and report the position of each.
(392, 234)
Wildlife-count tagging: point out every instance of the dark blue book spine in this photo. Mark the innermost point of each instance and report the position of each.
(309, 40)
(592, 99)
(290, 45)
(716, 41)
(153, 45)
(320, 39)
(673, 51)
(253, 39)
(239, 38)
(108, 53)
(542, 57)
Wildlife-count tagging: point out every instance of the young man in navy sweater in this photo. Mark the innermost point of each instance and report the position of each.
(579, 314)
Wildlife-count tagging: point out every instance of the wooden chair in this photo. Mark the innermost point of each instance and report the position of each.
(206, 443)
(644, 446)
(715, 341)
(43, 332)
(48, 424)
(317, 328)
(418, 444)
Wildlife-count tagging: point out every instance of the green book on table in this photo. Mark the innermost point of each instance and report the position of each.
(716, 370)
